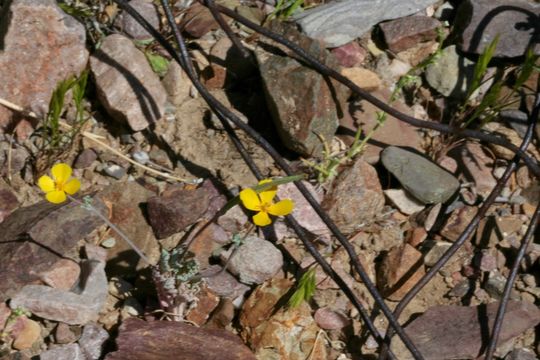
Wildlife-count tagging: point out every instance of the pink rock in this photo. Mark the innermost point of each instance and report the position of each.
(62, 275)
(479, 168)
(350, 54)
(330, 320)
(126, 85)
(25, 333)
(42, 46)
(403, 33)
(8, 201)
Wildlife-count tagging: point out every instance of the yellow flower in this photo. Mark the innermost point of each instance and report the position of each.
(262, 203)
(55, 188)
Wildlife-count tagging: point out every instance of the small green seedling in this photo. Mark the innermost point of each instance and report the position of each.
(305, 289)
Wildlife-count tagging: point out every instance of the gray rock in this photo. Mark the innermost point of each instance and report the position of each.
(521, 354)
(54, 46)
(355, 197)
(440, 328)
(403, 201)
(256, 260)
(131, 27)
(65, 306)
(64, 352)
(516, 23)
(85, 159)
(127, 87)
(141, 157)
(115, 171)
(224, 284)
(436, 252)
(339, 22)
(451, 74)
(424, 179)
(404, 33)
(92, 340)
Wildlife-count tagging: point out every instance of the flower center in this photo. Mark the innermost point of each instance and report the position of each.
(59, 185)
(265, 206)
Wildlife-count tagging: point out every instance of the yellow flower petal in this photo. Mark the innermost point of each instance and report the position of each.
(72, 186)
(56, 197)
(61, 173)
(269, 194)
(250, 199)
(281, 208)
(262, 219)
(46, 184)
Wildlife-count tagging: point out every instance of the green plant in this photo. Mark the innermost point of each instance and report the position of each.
(284, 9)
(304, 290)
(158, 63)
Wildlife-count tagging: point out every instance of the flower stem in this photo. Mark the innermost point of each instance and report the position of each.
(91, 208)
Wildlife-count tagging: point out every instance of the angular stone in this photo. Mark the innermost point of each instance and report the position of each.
(424, 179)
(92, 339)
(21, 262)
(480, 21)
(85, 159)
(224, 284)
(403, 201)
(164, 340)
(521, 354)
(255, 261)
(350, 54)
(363, 78)
(25, 333)
(355, 197)
(392, 132)
(206, 303)
(177, 208)
(303, 104)
(227, 65)
(198, 21)
(126, 85)
(337, 23)
(478, 167)
(125, 203)
(62, 275)
(176, 83)
(400, 270)
(457, 222)
(8, 200)
(437, 331)
(69, 307)
(404, 33)
(54, 46)
(452, 73)
(64, 352)
(131, 27)
(63, 334)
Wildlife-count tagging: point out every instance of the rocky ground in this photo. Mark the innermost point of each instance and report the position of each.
(160, 166)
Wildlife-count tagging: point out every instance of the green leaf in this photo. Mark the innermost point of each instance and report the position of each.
(305, 289)
(158, 63)
(481, 66)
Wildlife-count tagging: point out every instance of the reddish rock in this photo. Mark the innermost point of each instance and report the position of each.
(350, 54)
(198, 21)
(392, 132)
(177, 208)
(21, 262)
(165, 340)
(206, 304)
(42, 45)
(126, 85)
(226, 64)
(8, 200)
(355, 197)
(457, 222)
(406, 32)
(25, 333)
(399, 271)
(437, 331)
(131, 27)
(330, 320)
(478, 167)
(85, 159)
(62, 275)
(125, 202)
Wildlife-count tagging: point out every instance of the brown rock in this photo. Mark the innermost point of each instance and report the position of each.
(126, 85)
(355, 197)
(330, 320)
(440, 328)
(206, 304)
(177, 84)
(54, 50)
(350, 54)
(224, 284)
(64, 335)
(131, 27)
(62, 275)
(8, 200)
(399, 271)
(478, 167)
(457, 222)
(406, 32)
(125, 202)
(392, 132)
(177, 208)
(25, 333)
(85, 159)
(198, 21)
(165, 340)
(21, 262)
(226, 64)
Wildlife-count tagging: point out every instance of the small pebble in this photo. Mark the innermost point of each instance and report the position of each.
(108, 243)
(141, 157)
(115, 171)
